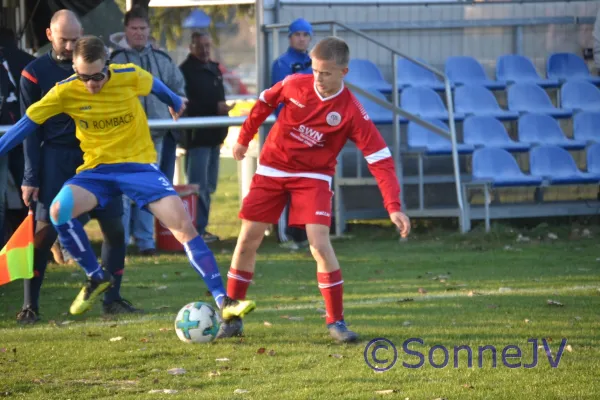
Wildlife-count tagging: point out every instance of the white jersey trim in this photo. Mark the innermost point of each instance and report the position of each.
(275, 173)
(379, 155)
(330, 97)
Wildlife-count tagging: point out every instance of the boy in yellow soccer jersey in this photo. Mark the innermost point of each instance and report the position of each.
(118, 159)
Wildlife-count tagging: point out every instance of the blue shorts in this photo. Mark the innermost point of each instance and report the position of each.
(58, 164)
(142, 183)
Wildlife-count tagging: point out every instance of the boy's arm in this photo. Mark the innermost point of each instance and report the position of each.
(267, 102)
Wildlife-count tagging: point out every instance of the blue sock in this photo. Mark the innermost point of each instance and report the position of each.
(203, 261)
(75, 241)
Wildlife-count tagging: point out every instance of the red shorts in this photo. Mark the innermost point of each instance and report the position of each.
(310, 200)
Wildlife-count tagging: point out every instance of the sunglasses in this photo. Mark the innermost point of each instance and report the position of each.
(97, 77)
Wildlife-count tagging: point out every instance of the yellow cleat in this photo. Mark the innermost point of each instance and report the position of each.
(89, 293)
(236, 308)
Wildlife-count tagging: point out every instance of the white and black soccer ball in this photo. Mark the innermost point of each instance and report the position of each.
(197, 322)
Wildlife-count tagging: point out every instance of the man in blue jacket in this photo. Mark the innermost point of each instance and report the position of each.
(295, 60)
(52, 156)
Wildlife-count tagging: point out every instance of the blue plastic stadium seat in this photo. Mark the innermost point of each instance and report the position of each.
(513, 68)
(557, 166)
(411, 74)
(500, 168)
(463, 70)
(593, 158)
(365, 74)
(586, 126)
(425, 103)
(540, 129)
(378, 114)
(580, 95)
(420, 137)
(477, 100)
(489, 132)
(529, 97)
(564, 66)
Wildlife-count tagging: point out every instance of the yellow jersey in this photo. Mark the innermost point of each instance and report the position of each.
(111, 124)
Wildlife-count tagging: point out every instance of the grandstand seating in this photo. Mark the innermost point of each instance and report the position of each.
(425, 103)
(529, 97)
(366, 74)
(489, 132)
(556, 165)
(477, 100)
(378, 114)
(463, 70)
(500, 169)
(514, 68)
(539, 129)
(565, 66)
(593, 158)
(586, 126)
(580, 95)
(411, 74)
(422, 139)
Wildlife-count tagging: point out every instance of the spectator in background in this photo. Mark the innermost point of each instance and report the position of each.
(52, 156)
(206, 96)
(135, 48)
(12, 62)
(295, 60)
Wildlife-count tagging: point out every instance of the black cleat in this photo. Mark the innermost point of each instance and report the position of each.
(28, 315)
(230, 328)
(120, 306)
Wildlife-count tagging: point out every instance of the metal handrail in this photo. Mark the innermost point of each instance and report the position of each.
(396, 124)
(189, 122)
(436, 71)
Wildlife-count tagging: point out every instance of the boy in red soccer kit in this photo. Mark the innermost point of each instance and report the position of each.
(298, 162)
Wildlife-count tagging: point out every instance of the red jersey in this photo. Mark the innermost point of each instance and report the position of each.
(311, 131)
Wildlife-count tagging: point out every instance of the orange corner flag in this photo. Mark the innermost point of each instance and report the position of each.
(16, 258)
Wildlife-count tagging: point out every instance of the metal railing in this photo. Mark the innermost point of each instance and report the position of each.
(395, 108)
(191, 122)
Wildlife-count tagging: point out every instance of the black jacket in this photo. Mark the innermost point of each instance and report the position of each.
(204, 89)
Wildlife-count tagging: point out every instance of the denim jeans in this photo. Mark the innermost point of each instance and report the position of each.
(140, 223)
(202, 165)
(3, 186)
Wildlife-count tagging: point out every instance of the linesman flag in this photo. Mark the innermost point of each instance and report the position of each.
(16, 258)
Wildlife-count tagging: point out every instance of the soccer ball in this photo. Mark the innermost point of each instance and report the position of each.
(197, 322)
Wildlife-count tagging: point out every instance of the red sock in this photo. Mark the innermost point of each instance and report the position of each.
(237, 283)
(332, 289)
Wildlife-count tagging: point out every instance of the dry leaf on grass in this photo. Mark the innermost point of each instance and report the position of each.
(144, 340)
(467, 386)
(336, 356)
(240, 391)
(163, 287)
(225, 359)
(388, 391)
(212, 374)
(492, 306)
(569, 348)
(116, 339)
(422, 291)
(555, 303)
(271, 353)
(164, 329)
(405, 300)
(176, 371)
(261, 350)
(406, 323)
(165, 391)
(267, 323)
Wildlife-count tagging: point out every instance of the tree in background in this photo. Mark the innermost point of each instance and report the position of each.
(169, 20)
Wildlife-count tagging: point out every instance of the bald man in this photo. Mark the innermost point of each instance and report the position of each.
(51, 158)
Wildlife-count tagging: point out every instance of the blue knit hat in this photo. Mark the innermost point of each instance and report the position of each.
(300, 25)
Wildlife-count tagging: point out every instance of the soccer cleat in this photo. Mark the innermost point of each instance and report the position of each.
(89, 293)
(231, 328)
(340, 332)
(28, 315)
(120, 306)
(236, 308)
(210, 238)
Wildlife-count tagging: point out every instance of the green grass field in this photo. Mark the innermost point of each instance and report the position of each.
(443, 288)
